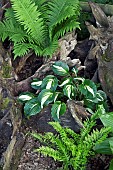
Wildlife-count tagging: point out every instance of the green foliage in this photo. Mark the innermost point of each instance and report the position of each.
(106, 147)
(38, 25)
(57, 90)
(111, 165)
(70, 148)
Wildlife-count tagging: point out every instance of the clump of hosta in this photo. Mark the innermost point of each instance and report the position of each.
(58, 88)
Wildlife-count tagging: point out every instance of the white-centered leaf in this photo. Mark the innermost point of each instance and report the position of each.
(60, 68)
(46, 96)
(32, 107)
(49, 84)
(56, 96)
(66, 81)
(69, 91)
(57, 110)
(79, 78)
(90, 90)
(25, 96)
(36, 84)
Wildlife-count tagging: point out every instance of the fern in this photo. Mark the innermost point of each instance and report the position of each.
(37, 25)
(66, 26)
(70, 148)
(29, 16)
(59, 11)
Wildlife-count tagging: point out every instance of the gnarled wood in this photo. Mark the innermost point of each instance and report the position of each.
(103, 49)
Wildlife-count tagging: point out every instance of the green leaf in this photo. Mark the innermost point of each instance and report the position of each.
(103, 94)
(104, 147)
(45, 97)
(36, 84)
(20, 49)
(90, 110)
(57, 110)
(65, 81)
(49, 82)
(111, 165)
(107, 119)
(60, 68)
(88, 89)
(78, 78)
(27, 13)
(56, 96)
(75, 71)
(32, 107)
(69, 91)
(25, 96)
(99, 97)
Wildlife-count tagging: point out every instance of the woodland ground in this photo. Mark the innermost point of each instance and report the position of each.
(34, 161)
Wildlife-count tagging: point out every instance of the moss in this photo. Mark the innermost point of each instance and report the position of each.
(6, 71)
(4, 102)
(105, 58)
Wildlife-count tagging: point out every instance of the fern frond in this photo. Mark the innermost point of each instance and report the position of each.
(37, 49)
(20, 49)
(64, 137)
(14, 32)
(42, 5)
(73, 154)
(56, 143)
(67, 25)
(97, 136)
(88, 124)
(71, 133)
(29, 16)
(49, 152)
(39, 3)
(9, 15)
(60, 10)
(48, 51)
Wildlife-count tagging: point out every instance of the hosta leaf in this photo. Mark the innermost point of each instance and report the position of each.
(56, 96)
(75, 70)
(25, 96)
(36, 84)
(89, 104)
(103, 94)
(78, 79)
(104, 147)
(32, 107)
(60, 68)
(49, 82)
(45, 97)
(69, 91)
(99, 97)
(111, 165)
(88, 89)
(107, 119)
(65, 81)
(57, 110)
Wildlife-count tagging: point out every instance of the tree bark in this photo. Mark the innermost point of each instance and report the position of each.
(108, 9)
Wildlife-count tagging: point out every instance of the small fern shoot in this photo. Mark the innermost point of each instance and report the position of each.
(70, 148)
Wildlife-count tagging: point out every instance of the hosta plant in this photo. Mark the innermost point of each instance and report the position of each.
(70, 148)
(38, 24)
(58, 88)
